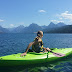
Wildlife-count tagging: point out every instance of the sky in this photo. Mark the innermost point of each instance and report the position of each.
(25, 12)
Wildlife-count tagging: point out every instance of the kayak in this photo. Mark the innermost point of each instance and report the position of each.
(34, 58)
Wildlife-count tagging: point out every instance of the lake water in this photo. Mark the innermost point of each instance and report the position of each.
(17, 43)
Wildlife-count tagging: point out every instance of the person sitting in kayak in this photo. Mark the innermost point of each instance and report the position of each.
(37, 45)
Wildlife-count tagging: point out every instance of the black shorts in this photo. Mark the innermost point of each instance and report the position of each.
(30, 50)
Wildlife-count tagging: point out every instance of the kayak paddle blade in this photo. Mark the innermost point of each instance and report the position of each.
(58, 54)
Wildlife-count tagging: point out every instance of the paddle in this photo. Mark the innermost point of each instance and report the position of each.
(58, 54)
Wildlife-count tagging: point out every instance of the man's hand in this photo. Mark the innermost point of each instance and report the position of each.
(48, 49)
(23, 54)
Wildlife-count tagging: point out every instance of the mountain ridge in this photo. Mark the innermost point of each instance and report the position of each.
(51, 28)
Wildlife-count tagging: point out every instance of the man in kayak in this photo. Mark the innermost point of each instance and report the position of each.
(37, 45)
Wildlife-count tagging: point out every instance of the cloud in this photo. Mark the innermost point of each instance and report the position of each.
(1, 20)
(42, 11)
(21, 23)
(66, 15)
(60, 18)
(11, 25)
(56, 21)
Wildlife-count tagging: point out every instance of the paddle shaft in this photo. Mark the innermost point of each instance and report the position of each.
(55, 53)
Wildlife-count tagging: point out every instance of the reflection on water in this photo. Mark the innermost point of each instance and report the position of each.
(62, 66)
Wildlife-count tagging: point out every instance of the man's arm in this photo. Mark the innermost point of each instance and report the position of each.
(30, 44)
(46, 49)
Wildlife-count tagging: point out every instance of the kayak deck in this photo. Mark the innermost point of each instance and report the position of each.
(33, 58)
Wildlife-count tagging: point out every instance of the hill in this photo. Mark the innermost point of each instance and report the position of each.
(3, 30)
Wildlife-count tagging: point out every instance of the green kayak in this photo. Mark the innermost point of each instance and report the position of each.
(34, 58)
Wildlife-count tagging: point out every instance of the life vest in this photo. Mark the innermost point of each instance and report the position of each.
(38, 47)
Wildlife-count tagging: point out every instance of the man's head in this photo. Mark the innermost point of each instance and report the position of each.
(40, 33)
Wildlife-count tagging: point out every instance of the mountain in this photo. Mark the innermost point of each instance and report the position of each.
(17, 29)
(53, 26)
(21, 29)
(60, 24)
(31, 28)
(63, 29)
(11, 29)
(3, 30)
(44, 27)
(49, 27)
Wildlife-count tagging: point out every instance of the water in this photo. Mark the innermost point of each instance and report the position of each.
(17, 43)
